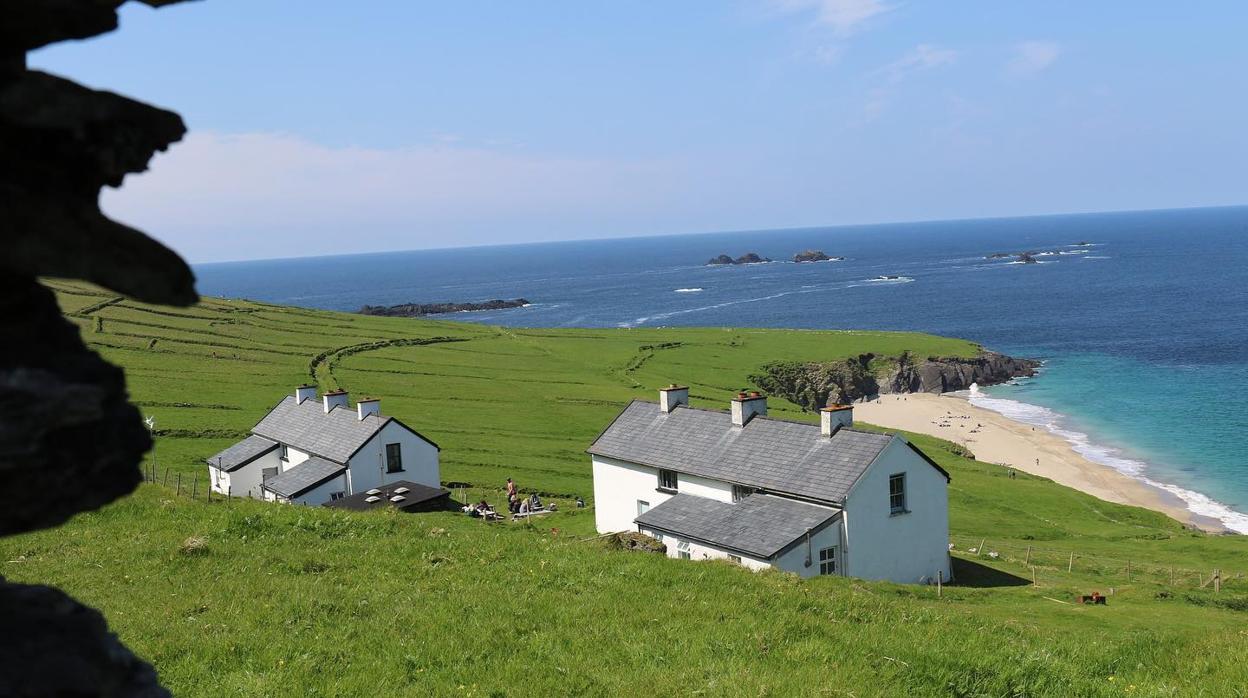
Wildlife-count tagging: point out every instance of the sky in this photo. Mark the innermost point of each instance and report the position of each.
(330, 127)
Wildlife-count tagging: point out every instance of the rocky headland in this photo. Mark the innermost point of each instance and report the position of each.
(816, 384)
(422, 309)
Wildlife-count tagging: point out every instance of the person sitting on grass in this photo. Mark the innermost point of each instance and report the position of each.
(535, 502)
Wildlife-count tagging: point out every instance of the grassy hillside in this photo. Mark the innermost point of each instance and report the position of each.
(296, 601)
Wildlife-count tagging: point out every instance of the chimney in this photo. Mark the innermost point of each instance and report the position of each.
(338, 398)
(833, 417)
(304, 392)
(745, 406)
(673, 396)
(367, 406)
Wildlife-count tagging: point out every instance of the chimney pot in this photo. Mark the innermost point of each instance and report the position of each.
(746, 407)
(672, 397)
(368, 406)
(834, 417)
(337, 398)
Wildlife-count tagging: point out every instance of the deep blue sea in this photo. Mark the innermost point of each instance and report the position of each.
(1144, 332)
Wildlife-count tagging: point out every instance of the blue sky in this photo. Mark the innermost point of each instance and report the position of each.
(321, 128)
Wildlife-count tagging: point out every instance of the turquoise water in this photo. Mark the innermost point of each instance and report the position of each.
(1144, 331)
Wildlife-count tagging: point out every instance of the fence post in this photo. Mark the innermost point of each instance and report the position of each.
(1027, 562)
(980, 550)
(1217, 581)
(179, 484)
(940, 582)
(1070, 566)
(1034, 583)
(194, 486)
(166, 482)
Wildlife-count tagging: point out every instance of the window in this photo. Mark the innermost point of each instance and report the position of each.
(897, 493)
(336, 495)
(642, 507)
(734, 558)
(682, 549)
(283, 453)
(394, 459)
(827, 560)
(667, 480)
(739, 492)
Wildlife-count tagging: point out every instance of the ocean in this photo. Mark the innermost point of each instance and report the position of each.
(1143, 330)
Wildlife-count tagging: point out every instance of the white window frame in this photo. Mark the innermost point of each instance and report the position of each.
(675, 480)
(897, 507)
(827, 561)
(642, 506)
(682, 549)
(736, 559)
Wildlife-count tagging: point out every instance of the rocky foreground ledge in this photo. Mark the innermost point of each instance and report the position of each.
(422, 309)
(816, 384)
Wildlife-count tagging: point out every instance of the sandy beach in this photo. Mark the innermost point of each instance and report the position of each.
(994, 438)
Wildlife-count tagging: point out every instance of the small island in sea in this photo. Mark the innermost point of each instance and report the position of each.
(815, 256)
(747, 258)
(422, 309)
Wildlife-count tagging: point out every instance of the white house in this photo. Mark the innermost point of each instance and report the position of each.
(766, 492)
(313, 451)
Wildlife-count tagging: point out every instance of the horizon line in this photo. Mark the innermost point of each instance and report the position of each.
(977, 219)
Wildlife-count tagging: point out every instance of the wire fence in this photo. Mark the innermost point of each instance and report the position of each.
(1043, 562)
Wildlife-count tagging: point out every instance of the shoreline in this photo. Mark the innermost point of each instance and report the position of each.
(995, 438)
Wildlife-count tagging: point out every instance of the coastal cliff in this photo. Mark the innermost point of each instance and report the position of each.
(816, 384)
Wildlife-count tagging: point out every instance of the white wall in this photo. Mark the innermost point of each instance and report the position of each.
(321, 493)
(246, 480)
(293, 457)
(368, 466)
(794, 560)
(618, 485)
(701, 551)
(903, 548)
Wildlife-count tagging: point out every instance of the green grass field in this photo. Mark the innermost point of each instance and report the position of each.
(304, 601)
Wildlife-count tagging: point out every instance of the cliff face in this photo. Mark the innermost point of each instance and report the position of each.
(816, 384)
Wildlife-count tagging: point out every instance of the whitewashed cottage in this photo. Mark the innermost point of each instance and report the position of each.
(765, 492)
(311, 451)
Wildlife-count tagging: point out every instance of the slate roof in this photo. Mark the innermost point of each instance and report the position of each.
(303, 477)
(770, 454)
(335, 436)
(759, 525)
(417, 497)
(242, 453)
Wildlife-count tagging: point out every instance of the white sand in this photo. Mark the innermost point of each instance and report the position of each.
(994, 438)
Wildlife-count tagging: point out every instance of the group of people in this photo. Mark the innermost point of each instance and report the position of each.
(523, 505)
(516, 505)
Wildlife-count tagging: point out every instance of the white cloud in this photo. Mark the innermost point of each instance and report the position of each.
(843, 16)
(1031, 57)
(214, 192)
(920, 58)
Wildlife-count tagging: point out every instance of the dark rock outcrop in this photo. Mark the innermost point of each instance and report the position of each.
(816, 384)
(422, 309)
(747, 258)
(815, 256)
(69, 440)
(55, 646)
